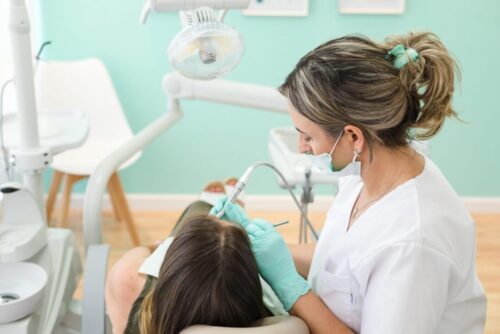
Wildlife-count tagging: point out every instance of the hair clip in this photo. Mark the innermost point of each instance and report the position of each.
(402, 56)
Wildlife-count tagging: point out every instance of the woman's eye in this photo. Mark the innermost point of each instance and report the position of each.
(308, 139)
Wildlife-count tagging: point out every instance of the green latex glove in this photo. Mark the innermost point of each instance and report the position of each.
(234, 213)
(275, 262)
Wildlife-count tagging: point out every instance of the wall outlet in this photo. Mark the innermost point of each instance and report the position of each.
(278, 8)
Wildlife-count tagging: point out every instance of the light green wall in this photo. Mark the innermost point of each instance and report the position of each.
(201, 147)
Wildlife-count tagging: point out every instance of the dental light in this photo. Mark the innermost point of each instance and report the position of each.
(206, 48)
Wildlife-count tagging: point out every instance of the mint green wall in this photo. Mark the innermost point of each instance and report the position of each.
(199, 148)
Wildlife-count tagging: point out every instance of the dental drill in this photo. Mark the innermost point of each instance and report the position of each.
(243, 180)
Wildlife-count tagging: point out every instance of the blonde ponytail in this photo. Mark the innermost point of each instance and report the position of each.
(430, 80)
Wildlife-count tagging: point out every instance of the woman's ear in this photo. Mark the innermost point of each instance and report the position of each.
(355, 137)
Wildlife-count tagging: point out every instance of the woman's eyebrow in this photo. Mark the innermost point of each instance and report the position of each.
(299, 130)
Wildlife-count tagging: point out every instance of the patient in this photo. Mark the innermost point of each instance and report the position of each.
(208, 276)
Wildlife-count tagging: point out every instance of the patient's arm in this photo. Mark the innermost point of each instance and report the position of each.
(302, 257)
(123, 286)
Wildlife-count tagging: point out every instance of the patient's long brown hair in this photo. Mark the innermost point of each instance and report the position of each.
(209, 276)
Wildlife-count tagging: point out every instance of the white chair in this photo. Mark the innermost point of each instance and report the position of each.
(85, 85)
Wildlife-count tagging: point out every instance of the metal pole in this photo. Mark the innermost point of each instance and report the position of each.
(306, 198)
(25, 94)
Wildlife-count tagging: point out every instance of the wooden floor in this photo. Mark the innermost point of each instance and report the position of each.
(153, 226)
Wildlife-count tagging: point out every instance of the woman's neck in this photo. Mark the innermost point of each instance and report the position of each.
(388, 168)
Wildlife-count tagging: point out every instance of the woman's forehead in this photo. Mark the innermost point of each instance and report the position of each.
(303, 124)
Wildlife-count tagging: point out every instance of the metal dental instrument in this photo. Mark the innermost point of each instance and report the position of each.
(282, 223)
(242, 182)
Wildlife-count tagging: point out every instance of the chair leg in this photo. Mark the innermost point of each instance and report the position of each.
(116, 192)
(70, 179)
(51, 199)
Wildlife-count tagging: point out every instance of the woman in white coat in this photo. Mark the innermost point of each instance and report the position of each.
(397, 252)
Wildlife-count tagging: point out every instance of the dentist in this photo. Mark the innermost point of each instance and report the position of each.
(397, 251)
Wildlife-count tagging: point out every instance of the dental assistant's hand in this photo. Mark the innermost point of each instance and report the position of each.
(275, 262)
(234, 213)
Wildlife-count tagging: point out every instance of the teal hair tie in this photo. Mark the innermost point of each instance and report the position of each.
(402, 56)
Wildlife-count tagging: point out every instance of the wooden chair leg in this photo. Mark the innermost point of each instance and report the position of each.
(116, 192)
(51, 199)
(70, 180)
(63, 219)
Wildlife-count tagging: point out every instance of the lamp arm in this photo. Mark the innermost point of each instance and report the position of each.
(146, 10)
(183, 5)
(226, 92)
(175, 5)
(98, 181)
(222, 15)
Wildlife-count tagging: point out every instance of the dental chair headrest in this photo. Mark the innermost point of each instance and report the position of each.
(269, 325)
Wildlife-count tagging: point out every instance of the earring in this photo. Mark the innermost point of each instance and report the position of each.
(356, 155)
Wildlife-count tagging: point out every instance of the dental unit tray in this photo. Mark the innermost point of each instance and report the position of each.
(58, 130)
(283, 149)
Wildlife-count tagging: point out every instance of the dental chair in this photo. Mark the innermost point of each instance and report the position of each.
(176, 88)
(269, 325)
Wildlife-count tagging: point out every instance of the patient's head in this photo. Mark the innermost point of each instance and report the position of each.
(209, 276)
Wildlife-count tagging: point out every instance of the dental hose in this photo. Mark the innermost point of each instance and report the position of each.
(242, 182)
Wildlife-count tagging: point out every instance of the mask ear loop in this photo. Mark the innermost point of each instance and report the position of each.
(336, 142)
(356, 165)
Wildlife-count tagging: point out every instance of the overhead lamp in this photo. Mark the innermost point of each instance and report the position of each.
(206, 48)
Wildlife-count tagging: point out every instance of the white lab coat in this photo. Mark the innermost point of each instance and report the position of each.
(407, 265)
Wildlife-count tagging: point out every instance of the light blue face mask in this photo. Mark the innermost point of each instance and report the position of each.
(323, 162)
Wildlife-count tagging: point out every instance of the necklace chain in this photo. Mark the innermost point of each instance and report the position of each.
(358, 210)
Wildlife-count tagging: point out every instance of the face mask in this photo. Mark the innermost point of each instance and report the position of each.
(323, 162)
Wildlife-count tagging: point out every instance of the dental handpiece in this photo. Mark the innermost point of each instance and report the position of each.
(232, 198)
(238, 188)
(242, 184)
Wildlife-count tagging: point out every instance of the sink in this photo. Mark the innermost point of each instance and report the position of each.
(21, 290)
